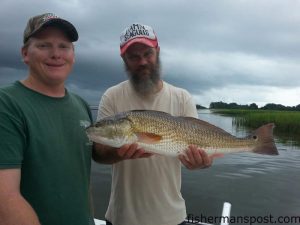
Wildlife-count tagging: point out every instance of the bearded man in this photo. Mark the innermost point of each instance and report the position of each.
(145, 189)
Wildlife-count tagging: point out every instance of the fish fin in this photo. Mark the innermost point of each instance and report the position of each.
(161, 113)
(148, 138)
(266, 144)
(203, 123)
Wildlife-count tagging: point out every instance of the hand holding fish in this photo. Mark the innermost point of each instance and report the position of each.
(131, 151)
(197, 158)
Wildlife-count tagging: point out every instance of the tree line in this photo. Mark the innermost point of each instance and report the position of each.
(233, 105)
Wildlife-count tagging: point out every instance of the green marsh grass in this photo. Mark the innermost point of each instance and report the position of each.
(287, 123)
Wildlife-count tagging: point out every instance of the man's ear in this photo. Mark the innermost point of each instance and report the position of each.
(24, 53)
(157, 49)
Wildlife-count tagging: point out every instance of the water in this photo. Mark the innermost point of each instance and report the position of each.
(255, 185)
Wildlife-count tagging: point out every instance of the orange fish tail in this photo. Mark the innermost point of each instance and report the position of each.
(266, 144)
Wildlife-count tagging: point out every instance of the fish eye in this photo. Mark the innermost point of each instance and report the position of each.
(100, 123)
(254, 137)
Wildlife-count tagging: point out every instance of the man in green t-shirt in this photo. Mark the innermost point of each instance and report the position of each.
(45, 155)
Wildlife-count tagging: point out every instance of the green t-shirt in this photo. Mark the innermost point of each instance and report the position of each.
(45, 137)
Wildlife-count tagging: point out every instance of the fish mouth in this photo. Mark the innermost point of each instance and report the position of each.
(113, 142)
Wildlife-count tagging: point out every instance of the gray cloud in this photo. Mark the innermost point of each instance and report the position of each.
(217, 50)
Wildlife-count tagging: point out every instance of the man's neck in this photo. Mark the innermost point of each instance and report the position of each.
(160, 86)
(52, 90)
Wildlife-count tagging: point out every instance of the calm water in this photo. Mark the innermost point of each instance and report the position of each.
(255, 185)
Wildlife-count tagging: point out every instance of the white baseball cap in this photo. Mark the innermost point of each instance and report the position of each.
(137, 33)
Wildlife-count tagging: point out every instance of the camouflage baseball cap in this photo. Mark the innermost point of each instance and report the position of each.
(36, 23)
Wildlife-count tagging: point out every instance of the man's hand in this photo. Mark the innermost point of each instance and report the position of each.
(131, 151)
(197, 158)
(109, 155)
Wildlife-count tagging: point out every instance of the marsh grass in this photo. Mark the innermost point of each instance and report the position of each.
(287, 123)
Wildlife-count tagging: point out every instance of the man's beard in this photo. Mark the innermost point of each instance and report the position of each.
(145, 84)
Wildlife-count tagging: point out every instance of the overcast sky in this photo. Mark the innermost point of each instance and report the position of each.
(243, 51)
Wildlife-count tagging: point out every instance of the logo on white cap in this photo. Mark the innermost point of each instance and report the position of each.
(137, 30)
(49, 16)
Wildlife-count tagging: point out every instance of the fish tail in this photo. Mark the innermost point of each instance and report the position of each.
(266, 144)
